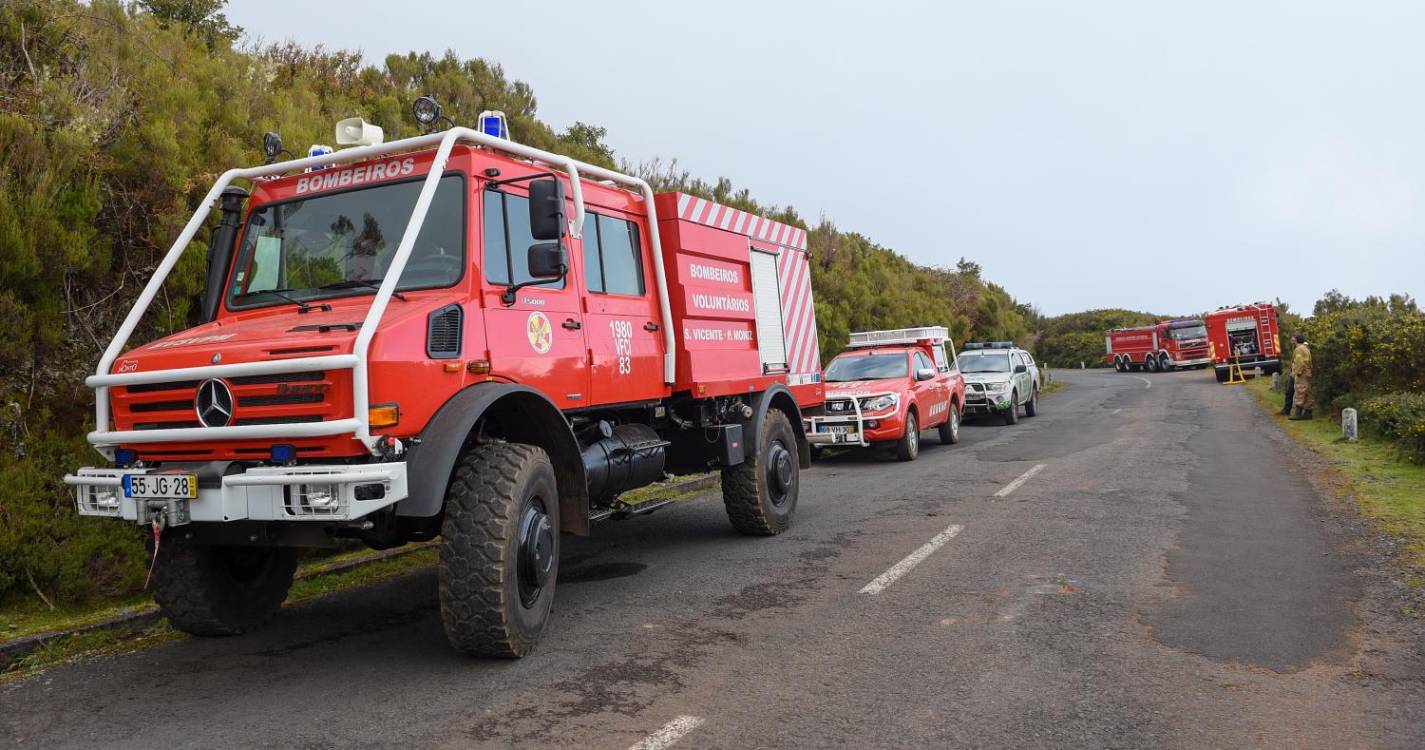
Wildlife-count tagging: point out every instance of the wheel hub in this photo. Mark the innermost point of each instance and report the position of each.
(536, 553)
(779, 472)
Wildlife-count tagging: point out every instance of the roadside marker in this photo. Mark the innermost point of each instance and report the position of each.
(669, 734)
(1012, 486)
(913, 559)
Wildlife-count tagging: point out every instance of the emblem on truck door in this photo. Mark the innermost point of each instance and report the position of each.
(214, 403)
(541, 333)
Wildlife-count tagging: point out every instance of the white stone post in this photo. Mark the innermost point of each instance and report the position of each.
(1348, 425)
(1276, 381)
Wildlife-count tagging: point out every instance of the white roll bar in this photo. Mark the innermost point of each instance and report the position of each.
(104, 439)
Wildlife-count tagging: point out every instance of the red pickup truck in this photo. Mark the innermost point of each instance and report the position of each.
(887, 387)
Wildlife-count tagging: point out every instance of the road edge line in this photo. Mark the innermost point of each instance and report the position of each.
(893, 573)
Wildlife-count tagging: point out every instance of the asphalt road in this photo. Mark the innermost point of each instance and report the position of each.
(1167, 578)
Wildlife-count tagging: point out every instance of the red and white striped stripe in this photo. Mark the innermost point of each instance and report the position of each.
(798, 312)
(719, 216)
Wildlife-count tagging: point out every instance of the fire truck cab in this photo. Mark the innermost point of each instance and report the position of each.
(887, 387)
(454, 336)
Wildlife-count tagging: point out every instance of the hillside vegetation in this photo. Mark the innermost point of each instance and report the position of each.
(115, 118)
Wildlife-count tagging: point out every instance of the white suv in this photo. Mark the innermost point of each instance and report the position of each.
(1000, 378)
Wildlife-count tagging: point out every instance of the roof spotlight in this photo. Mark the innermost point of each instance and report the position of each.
(426, 110)
(272, 146)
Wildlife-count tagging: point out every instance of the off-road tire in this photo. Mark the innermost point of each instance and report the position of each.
(212, 590)
(1165, 364)
(950, 428)
(908, 447)
(749, 490)
(1011, 415)
(480, 601)
(1031, 407)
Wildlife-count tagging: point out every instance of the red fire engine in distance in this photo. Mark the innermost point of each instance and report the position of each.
(1163, 346)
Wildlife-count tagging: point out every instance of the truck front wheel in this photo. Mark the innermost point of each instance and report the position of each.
(1011, 415)
(909, 445)
(950, 428)
(220, 590)
(499, 550)
(761, 493)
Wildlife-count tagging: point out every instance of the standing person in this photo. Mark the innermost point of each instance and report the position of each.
(1301, 374)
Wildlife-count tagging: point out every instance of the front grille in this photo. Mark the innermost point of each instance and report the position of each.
(278, 398)
(281, 400)
(299, 419)
(281, 377)
(839, 405)
(980, 387)
(163, 406)
(165, 425)
(180, 385)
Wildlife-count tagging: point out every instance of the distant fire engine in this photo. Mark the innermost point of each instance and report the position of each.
(450, 335)
(1244, 335)
(1163, 346)
(887, 387)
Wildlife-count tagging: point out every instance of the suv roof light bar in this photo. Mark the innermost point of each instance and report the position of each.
(989, 345)
(933, 334)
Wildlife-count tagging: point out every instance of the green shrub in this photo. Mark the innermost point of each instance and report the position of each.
(1401, 418)
(1376, 349)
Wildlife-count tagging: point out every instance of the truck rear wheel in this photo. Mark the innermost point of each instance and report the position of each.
(908, 447)
(760, 494)
(1165, 363)
(1118, 364)
(1150, 363)
(220, 590)
(950, 428)
(499, 550)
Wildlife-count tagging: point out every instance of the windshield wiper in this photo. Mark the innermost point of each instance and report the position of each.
(302, 307)
(374, 284)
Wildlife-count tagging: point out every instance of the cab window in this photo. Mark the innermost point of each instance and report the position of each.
(507, 240)
(613, 260)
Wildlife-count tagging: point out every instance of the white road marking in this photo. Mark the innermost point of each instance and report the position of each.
(1146, 381)
(913, 559)
(1115, 411)
(670, 733)
(1012, 486)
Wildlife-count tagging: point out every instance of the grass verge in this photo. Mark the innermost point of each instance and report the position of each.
(1389, 491)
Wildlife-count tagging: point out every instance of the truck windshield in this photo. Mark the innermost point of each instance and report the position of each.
(984, 362)
(867, 367)
(1188, 332)
(341, 244)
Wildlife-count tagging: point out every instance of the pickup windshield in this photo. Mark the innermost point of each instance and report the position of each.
(341, 244)
(984, 362)
(1188, 332)
(867, 367)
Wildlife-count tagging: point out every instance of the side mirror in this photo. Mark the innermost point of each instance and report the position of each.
(925, 373)
(548, 260)
(1020, 368)
(546, 210)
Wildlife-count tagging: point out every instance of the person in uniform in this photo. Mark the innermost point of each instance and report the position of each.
(1301, 375)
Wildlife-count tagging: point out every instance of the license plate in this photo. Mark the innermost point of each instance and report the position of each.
(161, 486)
(847, 437)
(834, 429)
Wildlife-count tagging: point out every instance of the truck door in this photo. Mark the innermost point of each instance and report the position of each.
(929, 394)
(621, 308)
(538, 340)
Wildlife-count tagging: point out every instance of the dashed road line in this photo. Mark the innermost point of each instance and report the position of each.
(670, 733)
(1115, 412)
(1146, 381)
(1012, 486)
(913, 559)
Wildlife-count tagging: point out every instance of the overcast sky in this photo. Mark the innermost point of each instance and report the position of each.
(1171, 157)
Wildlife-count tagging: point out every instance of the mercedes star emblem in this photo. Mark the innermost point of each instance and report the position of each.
(214, 403)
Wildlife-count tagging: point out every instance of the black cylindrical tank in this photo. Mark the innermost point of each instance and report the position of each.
(625, 457)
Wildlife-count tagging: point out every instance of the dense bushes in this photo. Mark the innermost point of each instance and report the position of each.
(1401, 418)
(114, 120)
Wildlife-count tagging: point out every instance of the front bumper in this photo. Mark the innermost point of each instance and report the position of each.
(263, 493)
(1272, 363)
(1193, 362)
(854, 428)
(981, 402)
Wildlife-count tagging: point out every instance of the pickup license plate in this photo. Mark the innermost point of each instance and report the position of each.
(834, 429)
(161, 486)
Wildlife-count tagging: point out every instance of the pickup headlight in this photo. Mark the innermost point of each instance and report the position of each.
(997, 387)
(879, 403)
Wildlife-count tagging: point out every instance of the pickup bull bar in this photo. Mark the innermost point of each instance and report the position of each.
(104, 439)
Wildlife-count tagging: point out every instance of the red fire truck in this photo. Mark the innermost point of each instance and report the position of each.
(887, 387)
(1160, 347)
(456, 336)
(1245, 335)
